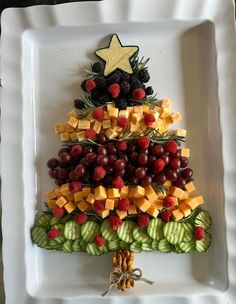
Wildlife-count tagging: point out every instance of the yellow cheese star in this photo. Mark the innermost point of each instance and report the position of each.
(117, 56)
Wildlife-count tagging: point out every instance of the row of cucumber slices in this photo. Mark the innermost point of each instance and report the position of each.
(159, 235)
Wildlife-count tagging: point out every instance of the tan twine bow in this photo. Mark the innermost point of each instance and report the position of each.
(118, 275)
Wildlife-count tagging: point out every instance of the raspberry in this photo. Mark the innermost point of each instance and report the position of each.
(168, 201)
(118, 182)
(123, 204)
(90, 85)
(99, 172)
(159, 165)
(143, 142)
(171, 146)
(121, 145)
(115, 222)
(122, 122)
(75, 186)
(99, 206)
(76, 150)
(143, 220)
(99, 240)
(98, 114)
(81, 218)
(53, 233)
(149, 119)
(58, 212)
(199, 233)
(165, 215)
(114, 89)
(138, 94)
(90, 133)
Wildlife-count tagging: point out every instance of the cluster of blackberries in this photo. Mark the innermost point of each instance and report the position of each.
(118, 86)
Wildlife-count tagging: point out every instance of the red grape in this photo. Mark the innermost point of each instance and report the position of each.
(171, 174)
(180, 182)
(112, 159)
(157, 150)
(90, 157)
(53, 173)
(158, 165)
(111, 149)
(120, 172)
(76, 150)
(102, 160)
(171, 146)
(59, 182)
(142, 159)
(80, 170)
(119, 164)
(133, 156)
(187, 173)
(101, 139)
(73, 176)
(109, 169)
(166, 158)
(101, 151)
(134, 180)
(176, 154)
(65, 157)
(132, 147)
(88, 149)
(160, 178)
(151, 159)
(63, 150)
(63, 173)
(183, 162)
(140, 172)
(175, 163)
(146, 180)
(52, 163)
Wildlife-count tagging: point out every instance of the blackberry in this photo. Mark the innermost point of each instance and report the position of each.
(149, 91)
(83, 85)
(114, 78)
(101, 82)
(78, 104)
(125, 87)
(95, 94)
(121, 104)
(97, 67)
(135, 83)
(123, 75)
(103, 99)
(143, 75)
(133, 103)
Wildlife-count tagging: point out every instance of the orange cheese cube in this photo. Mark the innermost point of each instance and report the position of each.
(113, 112)
(199, 199)
(135, 118)
(130, 109)
(166, 103)
(83, 205)
(113, 193)
(73, 136)
(106, 124)
(192, 203)
(162, 195)
(150, 193)
(65, 136)
(73, 122)
(110, 106)
(145, 108)
(83, 124)
(175, 117)
(100, 193)
(106, 115)
(181, 132)
(131, 193)
(97, 126)
(152, 210)
(132, 209)
(70, 207)
(167, 184)
(57, 191)
(185, 209)
(185, 152)
(58, 128)
(124, 191)
(121, 214)
(81, 136)
(177, 215)
(61, 201)
(72, 113)
(86, 191)
(91, 198)
(111, 134)
(190, 187)
(184, 196)
(143, 204)
(175, 191)
(110, 204)
(158, 203)
(133, 127)
(70, 197)
(104, 213)
(78, 196)
(51, 195)
(65, 189)
(124, 114)
(52, 204)
(165, 112)
(68, 128)
(138, 192)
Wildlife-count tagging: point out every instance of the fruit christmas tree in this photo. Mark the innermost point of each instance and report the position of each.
(122, 178)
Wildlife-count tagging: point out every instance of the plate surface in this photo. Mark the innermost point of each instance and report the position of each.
(191, 47)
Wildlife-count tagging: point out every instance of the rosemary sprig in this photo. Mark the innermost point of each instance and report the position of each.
(85, 142)
(191, 217)
(149, 100)
(159, 188)
(138, 64)
(90, 74)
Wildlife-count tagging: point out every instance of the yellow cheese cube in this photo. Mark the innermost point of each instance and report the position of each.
(70, 197)
(70, 207)
(175, 191)
(134, 128)
(136, 118)
(143, 204)
(51, 195)
(184, 195)
(138, 192)
(145, 108)
(111, 134)
(106, 115)
(68, 128)
(191, 202)
(190, 187)
(132, 209)
(138, 109)
(100, 193)
(175, 117)
(113, 112)
(158, 203)
(78, 196)
(166, 103)
(181, 132)
(97, 126)
(131, 193)
(91, 198)
(121, 214)
(167, 184)
(104, 213)
(86, 191)
(65, 189)
(72, 113)
(57, 191)
(61, 201)
(58, 128)
(113, 193)
(106, 124)
(124, 114)
(73, 136)
(65, 136)
(199, 199)
(185, 209)
(117, 129)
(165, 124)
(177, 215)
(110, 106)
(185, 152)
(165, 112)
(110, 204)
(162, 195)
(150, 193)
(73, 122)
(81, 136)
(83, 124)
(124, 191)
(52, 204)
(152, 210)
(83, 205)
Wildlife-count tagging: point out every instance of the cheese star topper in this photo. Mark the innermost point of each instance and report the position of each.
(116, 56)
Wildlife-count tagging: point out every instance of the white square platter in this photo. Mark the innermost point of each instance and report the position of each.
(192, 48)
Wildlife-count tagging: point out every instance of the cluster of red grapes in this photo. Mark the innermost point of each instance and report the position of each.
(155, 163)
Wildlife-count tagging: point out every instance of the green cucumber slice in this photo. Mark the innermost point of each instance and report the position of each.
(154, 244)
(89, 230)
(155, 229)
(140, 235)
(107, 232)
(136, 246)
(66, 218)
(176, 248)
(72, 230)
(104, 248)
(125, 232)
(68, 246)
(39, 236)
(146, 247)
(93, 249)
(203, 219)
(44, 220)
(164, 246)
(174, 232)
(52, 244)
(55, 220)
(124, 245)
(187, 246)
(77, 246)
(188, 232)
(114, 245)
(61, 238)
(203, 245)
